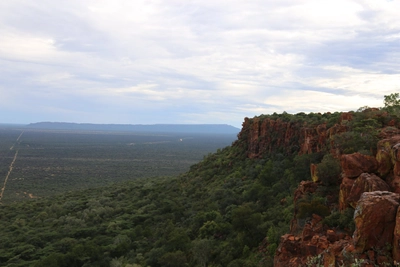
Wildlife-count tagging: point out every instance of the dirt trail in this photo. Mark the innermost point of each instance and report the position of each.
(11, 167)
(8, 174)
(12, 147)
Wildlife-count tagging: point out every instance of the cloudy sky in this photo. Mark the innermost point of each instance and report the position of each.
(200, 61)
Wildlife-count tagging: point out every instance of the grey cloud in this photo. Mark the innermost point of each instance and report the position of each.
(223, 56)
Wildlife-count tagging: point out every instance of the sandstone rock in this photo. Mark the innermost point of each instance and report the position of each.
(331, 235)
(388, 157)
(394, 182)
(314, 174)
(334, 254)
(313, 241)
(375, 218)
(389, 132)
(346, 116)
(288, 247)
(266, 135)
(329, 259)
(305, 187)
(396, 238)
(355, 164)
(365, 183)
(313, 139)
(384, 155)
(344, 193)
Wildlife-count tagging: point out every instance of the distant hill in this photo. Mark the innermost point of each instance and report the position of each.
(158, 128)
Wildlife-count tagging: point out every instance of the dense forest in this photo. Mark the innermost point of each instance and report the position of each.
(229, 209)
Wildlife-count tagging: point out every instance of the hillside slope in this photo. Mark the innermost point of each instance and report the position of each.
(284, 193)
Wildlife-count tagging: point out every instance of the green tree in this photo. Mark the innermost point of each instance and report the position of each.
(392, 102)
(329, 170)
(173, 259)
(202, 251)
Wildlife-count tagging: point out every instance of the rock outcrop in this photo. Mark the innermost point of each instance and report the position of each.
(388, 157)
(396, 238)
(375, 239)
(375, 219)
(370, 185)
(295, 250)
(266, 135)
(344, 193)
(355, 164)
(385, 155)
(365, 183)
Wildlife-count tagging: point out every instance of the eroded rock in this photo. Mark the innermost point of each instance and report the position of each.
(344, 193)
(355, 164)
(365, 183)
(375, 219)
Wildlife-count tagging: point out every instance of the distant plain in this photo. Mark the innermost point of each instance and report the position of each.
(51, 162)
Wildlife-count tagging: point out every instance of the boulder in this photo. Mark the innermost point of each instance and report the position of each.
(355, 164)
(365, 183)
(375, 219)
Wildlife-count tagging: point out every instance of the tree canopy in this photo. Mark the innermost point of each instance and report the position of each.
(392, 102)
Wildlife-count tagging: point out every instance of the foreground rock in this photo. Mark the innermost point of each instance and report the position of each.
(375, 219)
(388, 157)
(365, 183)
(353, 165)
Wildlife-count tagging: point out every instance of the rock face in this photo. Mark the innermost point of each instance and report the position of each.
(344, 193)
(377, 230)
(369, 188)
(365, 183)
(355, 164)
(375, 219)
(294, 251)
(314, 174)
(396, 238)
(370, 185)
(388, 157)
(385, 155)
(304, 188)
(266, 135)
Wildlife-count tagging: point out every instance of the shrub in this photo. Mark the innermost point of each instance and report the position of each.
(329, 170)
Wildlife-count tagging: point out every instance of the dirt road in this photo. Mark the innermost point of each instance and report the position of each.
(11, 167)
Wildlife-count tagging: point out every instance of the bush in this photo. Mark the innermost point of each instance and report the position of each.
(315, 206)
(342, 220)
(329, 170)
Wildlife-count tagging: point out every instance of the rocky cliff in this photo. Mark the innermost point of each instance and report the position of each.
(368, 188)
(268, 135)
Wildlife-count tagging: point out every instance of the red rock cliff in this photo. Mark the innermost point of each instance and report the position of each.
(266, 135)
(369, 187)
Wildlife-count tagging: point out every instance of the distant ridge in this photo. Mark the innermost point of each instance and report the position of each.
(151, 128)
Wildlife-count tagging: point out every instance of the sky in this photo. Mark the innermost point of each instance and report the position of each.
(194, 62)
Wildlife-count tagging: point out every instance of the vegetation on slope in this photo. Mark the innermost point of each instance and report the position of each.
(228, 210)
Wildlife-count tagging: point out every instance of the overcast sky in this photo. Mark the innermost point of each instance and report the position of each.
(182, 61)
